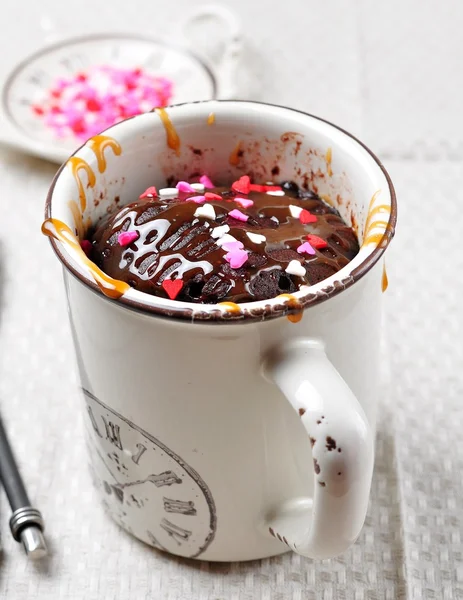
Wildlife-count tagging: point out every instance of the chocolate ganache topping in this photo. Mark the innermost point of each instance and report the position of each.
(204, 244)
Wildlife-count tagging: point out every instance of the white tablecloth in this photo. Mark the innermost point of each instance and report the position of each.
(387, 72)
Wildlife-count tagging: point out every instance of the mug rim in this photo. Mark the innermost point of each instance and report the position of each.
(255, 311)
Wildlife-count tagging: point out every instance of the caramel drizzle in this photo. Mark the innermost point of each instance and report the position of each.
(384, 280)
(292, 303)
(328, 157)
(173, 140)
(231, 307)
(98, 144)
(211, 119)
(372, 224)
(78, 220)
(234, 158)
(78, 164)
(113, 288)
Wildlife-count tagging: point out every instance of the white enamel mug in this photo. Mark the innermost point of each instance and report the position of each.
(229, 432)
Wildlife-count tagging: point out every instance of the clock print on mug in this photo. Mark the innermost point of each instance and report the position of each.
(149, 490)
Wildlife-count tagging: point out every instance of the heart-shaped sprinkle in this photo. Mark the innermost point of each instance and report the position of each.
(212, 196)
(218, 232)
(316, 242)
(207, 183)
(168, 192)
(197, 199)
(127, 237)
(257, 238)
(244, 202)
(198, 187)
(307, 217)
(230, 246)
(225, 239)
(150, 192)
(238, 215)
(206, 210)
(255, 187)
(305, 247)
(86, 246)
(295, 210)
(184, 186)
(236, 258)
(295, 268)
(172, 287)
(242, 186)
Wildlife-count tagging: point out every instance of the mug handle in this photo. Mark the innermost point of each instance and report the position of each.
(222, 53)
(342, 453)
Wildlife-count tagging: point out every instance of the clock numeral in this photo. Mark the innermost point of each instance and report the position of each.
(113, 433)
(179, 506)
(177, 533)
(166, 478)
(136, 457)
(93, 421)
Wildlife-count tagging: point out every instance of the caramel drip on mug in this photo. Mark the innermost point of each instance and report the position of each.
(78, 220)
(328, 157)
(235, 155)
(98, 144)
(173, 140)
(370, 225)
(292, 303)
(327, 199)
(211, 119)
(231, 306)
(78, 164)
(113, 288)
(384, 281)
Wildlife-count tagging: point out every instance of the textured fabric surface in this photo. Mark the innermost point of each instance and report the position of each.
(411, 545)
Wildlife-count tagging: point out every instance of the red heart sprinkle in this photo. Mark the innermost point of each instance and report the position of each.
(254, 187)
(212, 196)
(172, 287)
(242, 186)
(316, 242)
(149, 193)
(307, 217)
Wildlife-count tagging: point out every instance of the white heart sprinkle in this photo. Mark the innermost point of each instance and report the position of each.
(198, 187)
(168, 192)
(275, 219)
(218, 232)
(276, 193)
(206, 210)
(256, 237)
(225, 239)
(295, 268)
(295, 211)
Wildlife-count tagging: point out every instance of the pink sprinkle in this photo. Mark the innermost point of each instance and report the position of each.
(86, 246)
(149, 193)
(238, 215)
(207, 183)
(244, 202)
(236, 258)
(184, 186)
(230, 246)
(127, 237)
(198, 199)
(306, 247)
